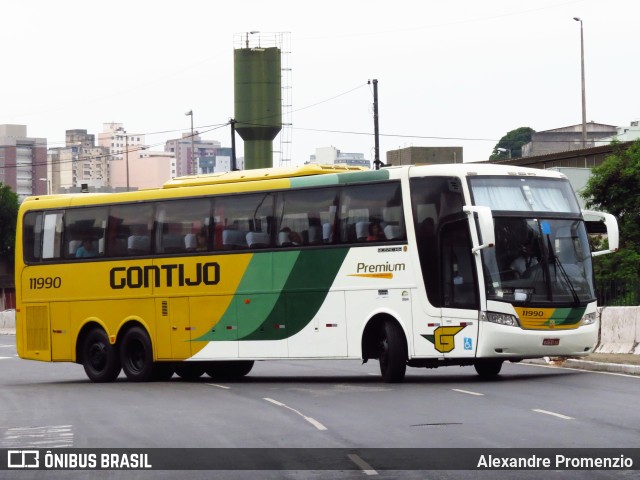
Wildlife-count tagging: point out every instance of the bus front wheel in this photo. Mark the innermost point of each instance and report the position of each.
(392, 353)
(488, 368)
(100, 358)
(136, 355)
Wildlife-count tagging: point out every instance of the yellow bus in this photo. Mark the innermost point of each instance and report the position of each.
(420, 266)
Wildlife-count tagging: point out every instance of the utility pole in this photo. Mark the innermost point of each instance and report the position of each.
(376, 133)
(126, 156)
(194, 166)
(584, 96)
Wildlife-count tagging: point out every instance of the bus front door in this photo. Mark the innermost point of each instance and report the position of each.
(458, 333)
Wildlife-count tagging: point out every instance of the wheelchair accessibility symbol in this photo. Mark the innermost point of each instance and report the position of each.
(468, 343)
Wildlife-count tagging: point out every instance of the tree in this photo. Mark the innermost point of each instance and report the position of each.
(613, 188)
(8, 218)
(512, 144)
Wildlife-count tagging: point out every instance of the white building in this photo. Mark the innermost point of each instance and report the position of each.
(332, 156)
(624, 134)
(125, 149)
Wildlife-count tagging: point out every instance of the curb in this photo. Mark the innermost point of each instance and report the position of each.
(602, 367)
(587, 365)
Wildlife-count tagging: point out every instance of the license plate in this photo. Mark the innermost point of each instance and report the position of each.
(551, 341)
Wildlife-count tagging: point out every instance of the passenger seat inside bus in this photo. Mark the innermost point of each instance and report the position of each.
(258, 240)
(232, 239)
(362, 231)
(326, 233)
(138, 244)
(190, 242)
(393, 232)
(73, 246)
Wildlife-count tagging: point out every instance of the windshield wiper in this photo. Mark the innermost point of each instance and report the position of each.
(558, 266)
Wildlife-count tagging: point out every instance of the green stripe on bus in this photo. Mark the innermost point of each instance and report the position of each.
(304, 292)
(314, 181)
(254, 299)
(568, 316)
(366, 176)
(340, 178)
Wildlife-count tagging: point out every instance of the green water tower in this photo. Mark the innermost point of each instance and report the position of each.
(258, 101)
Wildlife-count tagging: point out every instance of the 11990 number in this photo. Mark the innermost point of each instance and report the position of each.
(45, 282)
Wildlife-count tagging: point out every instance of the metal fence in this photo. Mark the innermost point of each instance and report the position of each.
(618, 293)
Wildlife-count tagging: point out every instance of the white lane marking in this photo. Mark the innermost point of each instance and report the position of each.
(219, 386)
(5, 358)
(467, 392)
(559, 415)
(364, 466)
(58, 436)
(312, 421)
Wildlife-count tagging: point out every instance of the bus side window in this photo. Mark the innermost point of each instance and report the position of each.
(183, 226)
(372, 213)
(85, 231)
(32, 236)
(306, 217)
(52, 235)
(243, 219)
(130, 229)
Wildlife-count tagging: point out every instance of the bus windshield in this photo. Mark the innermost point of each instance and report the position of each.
(524, 194)
(539, 258)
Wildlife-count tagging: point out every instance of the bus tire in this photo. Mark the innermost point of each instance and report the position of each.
(392, 352)
(99, 358)
(488, 368)
(189, 371)
(229, 369)
(136, 355)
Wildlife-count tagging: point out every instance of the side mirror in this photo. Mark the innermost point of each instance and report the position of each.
(595, 221)
(485, 225)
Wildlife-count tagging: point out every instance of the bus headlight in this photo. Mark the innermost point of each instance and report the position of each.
(502, 319)
(589, 319)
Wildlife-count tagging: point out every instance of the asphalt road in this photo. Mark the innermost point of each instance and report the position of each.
(319, 404)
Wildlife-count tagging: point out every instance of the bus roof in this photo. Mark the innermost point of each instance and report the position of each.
(258, 174)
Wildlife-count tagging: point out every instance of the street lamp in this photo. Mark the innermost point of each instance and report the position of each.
(251, 33)
(584, 101)
(194, 169)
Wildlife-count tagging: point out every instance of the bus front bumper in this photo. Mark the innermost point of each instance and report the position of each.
(514, 342)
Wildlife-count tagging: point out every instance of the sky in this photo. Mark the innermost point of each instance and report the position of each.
(450, 72)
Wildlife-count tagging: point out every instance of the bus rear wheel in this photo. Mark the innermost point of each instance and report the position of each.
(136, 355)
(100, 358)
(488, 368)
(392, 353)
(189, 371)
(229, 370)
